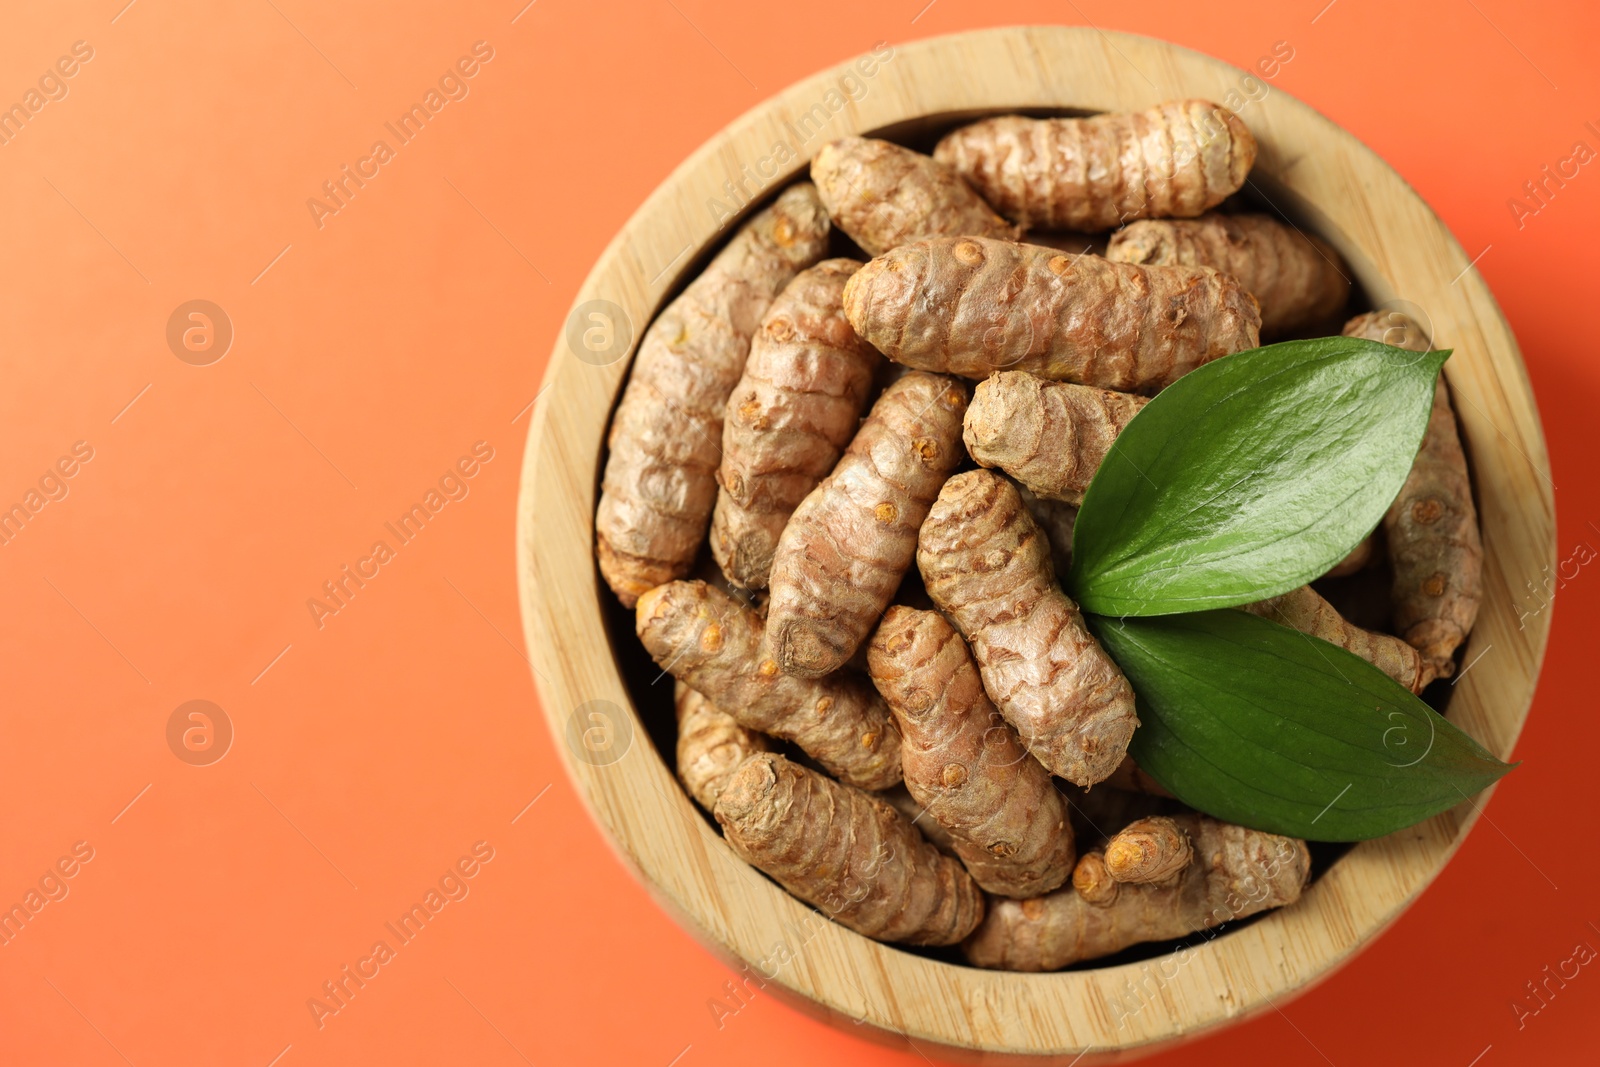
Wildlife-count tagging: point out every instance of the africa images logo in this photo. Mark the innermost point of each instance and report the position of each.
(452, 86)
(453, 485)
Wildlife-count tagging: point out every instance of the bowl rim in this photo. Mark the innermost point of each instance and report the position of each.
(1397, 248)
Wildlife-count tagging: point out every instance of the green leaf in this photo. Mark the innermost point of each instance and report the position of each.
(1250, 476)
(1257, 724)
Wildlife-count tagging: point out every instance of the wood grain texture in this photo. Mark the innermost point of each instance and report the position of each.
(1308, 168)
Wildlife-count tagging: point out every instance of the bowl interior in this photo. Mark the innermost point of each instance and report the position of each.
(1361, 597)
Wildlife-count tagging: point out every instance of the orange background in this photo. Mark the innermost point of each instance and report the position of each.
(371, 753)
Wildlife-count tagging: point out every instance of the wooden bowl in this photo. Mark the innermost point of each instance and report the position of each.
(1311, 170)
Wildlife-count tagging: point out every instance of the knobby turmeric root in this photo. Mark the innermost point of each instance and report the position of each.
(986, 564)
(964, 763)
(906, 804)
(1390, 328)
(713, 643)
(1235, 872)
(1092, 881)
(883, 195)
(711, 745)
(789, 417)
(1304, 609)
(1151, 851)
(1050, 436)
(972, 305)
(1299, 280)
(659, 484)
(849, 543)
(848, 852)
(1176, 159)
(1431, 528)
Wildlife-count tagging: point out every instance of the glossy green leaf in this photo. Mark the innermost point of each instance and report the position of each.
(1250, 476)
(1260, 725)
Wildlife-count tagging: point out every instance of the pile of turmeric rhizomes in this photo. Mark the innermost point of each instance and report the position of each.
(880, 600)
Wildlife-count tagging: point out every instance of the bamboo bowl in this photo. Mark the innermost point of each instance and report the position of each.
(592, 676)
